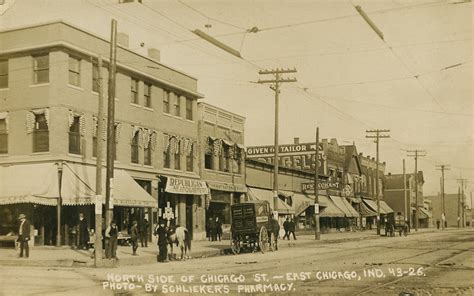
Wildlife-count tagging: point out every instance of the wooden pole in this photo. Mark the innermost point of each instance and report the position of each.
(317, 231)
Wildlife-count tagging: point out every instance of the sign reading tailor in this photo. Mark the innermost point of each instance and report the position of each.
(322, 185)
(186, 186)
(290, 149)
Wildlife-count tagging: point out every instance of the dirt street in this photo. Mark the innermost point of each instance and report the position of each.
(438, 263)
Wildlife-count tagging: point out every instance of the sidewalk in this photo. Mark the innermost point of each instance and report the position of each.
(66, 257)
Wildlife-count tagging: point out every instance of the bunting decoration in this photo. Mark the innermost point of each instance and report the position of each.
(166, 139)
(118, 128)
(217, 147)
(153, 139)
(31, 119)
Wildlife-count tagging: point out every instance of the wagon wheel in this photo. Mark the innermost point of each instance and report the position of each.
(273, 242)
(235, 245)
(263, 239)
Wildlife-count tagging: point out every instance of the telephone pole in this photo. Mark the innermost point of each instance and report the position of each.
(317, 232)
(275, 86)
(98, 173)
(417, 153)
(405, 202)
(109, 181)
(378, 135)
(461, 201)
(442, 168)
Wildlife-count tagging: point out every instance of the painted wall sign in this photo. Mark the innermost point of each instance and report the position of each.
(284, 149)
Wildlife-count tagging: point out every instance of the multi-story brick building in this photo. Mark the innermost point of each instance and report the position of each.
(48, 134)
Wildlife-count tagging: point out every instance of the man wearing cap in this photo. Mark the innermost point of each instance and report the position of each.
(24, 235)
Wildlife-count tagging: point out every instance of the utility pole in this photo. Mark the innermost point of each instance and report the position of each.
(405, 202)
(461, 201)
(98, 173)
(417, 153)
(378, 135)
(317, 232)
(275, 86)
(442, 168)
(109, 181)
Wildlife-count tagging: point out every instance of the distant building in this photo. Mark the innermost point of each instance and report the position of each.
(453, 208)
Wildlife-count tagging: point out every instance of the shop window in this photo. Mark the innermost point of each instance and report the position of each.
(190, 160)
(166, 101)
(95, 78)
(75, 136)
(135, 148)
(147, 94)
(3, 136)
(3, 73)
(74, 71)
(41, 68)
(177, 106)
(134, 91)
(40, 134)
(189, 109)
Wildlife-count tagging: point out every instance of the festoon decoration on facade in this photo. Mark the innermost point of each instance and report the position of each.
(30, 118)
(82, 121)
(146, 137)
(216, 145)
(4, 115)
(95, 124)
(179, 145)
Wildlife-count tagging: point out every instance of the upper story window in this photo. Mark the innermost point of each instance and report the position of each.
(135, 147)
(75, 136)
(3, 73)
(3, 136)
(189, 109)
(224, 159)
(95, 78)
(177, 105)
(208, 155)
(41, 68)
(40, 134)
(147, 153)
(134, 91)
(190, 159)
(147, 94)
(166, 101)
(74, 71)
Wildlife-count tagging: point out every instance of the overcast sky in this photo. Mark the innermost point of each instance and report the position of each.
(349, 80)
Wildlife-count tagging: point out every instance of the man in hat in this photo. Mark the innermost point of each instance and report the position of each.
(162, 234)
(134, 237)
(83, 232)
(24, 235)
(111, 233)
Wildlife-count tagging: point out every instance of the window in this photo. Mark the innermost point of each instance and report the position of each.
(224, 159)
(237, 166)
(166, 159)
(94, 146)
(40, 134)
(3, 136)
(147, 94)
(41, 69)
(208, 155)
(4, 74)
(147, 154)
(190, 160)
(134, 91)
(189, 109)
(177, 106)
(75, 136)
(135, 147)
(166, 101)
(177, 161)
(74, 71)
(95, 78)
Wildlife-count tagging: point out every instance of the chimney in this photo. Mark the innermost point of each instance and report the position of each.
(122, 39)
(154, 53)
(296, 141)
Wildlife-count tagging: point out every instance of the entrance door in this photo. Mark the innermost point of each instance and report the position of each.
(189, 214)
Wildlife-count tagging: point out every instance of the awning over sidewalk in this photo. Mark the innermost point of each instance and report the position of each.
(265, 194)
(384, 208)
(424, 214)
(365, 211)
(181, 185)
(29, 183)
(301, 202)
(78, 187)
(328, 208)
(344, 206)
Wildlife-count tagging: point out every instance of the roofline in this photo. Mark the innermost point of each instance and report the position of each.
(60, 21)
(222, 109)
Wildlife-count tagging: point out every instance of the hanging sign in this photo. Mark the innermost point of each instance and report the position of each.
(186, 186)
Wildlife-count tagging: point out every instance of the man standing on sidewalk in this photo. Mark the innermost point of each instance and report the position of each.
(134, 237)
(286, 227)
(143, 231)
(291, 229)
(83, 233)
(24, 235)
(111, 233)
(162, 242)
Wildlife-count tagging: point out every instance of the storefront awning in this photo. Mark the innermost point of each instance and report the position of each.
(301, 203)
(344, 206)
(78, 187)
(425, 214)
(29, 183)
(265, 194)
(227, 187)
(181, 185)
(365, 211)
(328, 208)
(384, 208)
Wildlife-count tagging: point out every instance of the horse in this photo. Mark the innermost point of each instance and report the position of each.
(184, 243)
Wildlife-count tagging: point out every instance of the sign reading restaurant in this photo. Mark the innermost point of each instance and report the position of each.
(297, 156)
(322, 185)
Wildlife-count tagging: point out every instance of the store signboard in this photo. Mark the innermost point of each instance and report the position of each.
(322, 185)
(179, 185)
